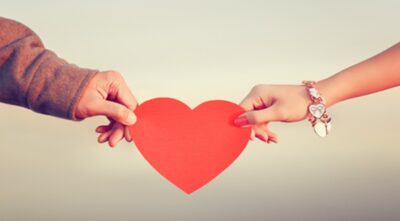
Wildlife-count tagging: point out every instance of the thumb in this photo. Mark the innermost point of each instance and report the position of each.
(272, 113)
(116, 111)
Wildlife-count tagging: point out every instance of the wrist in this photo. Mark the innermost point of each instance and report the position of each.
(330, 90)
(317, 113)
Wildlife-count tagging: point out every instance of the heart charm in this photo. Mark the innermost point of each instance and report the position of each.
(322, 129)
(317, 110)
(189, 147)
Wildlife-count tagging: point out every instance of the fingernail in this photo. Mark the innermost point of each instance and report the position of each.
(262, 138)
(131, 119)
(241, 121)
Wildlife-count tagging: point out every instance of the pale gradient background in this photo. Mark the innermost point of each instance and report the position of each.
(53, 169)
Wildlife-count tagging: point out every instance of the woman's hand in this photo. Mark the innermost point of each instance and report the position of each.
(266, 103)
(107, 94)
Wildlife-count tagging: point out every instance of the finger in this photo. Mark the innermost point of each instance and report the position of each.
(253, 102)
(104, 136)
(263, 130)
(247, 103)
(261, 133)
(264, 116)
(127, 134)
(255, 117)
(272, 137)
(252, 135)
(116, 111)
(273, 140)
(126, 97)
(103, 128)
(116, 136)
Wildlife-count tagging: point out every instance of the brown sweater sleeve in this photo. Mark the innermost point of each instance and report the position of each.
(35, 78)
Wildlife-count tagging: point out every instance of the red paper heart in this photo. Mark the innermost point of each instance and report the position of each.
(189, 147)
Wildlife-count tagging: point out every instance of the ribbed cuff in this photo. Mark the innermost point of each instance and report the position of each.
(57, 87)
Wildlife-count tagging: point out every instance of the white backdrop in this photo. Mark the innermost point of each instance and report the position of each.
(52, 169)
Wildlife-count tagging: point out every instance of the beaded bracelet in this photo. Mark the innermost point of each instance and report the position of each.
(319, 118)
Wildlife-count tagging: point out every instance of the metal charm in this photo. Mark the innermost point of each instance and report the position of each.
(317, 110)
(322, 128)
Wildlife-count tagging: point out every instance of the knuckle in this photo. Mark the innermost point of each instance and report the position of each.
(112, 75)
(259, 87)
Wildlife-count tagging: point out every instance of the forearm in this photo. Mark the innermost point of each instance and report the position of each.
(372, 75)
(36, 78)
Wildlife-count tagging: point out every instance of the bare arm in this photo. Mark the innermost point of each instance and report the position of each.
(372, 75)
(289, 103)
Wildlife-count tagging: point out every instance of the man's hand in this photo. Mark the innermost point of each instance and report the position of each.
(107, 94)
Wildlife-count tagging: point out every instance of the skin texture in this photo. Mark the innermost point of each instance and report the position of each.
(289, 103)
(107, 94)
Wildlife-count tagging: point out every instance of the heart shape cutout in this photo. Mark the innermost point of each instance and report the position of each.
(189, 147)
(317, 110)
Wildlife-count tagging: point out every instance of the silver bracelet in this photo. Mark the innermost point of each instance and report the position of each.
(319, 118)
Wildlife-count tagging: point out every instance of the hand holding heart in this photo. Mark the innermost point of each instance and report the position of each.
(107, 94)
(191, 147)
(268, 103)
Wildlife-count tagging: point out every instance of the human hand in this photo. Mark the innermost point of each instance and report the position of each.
(267, 103)
(107, 94)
